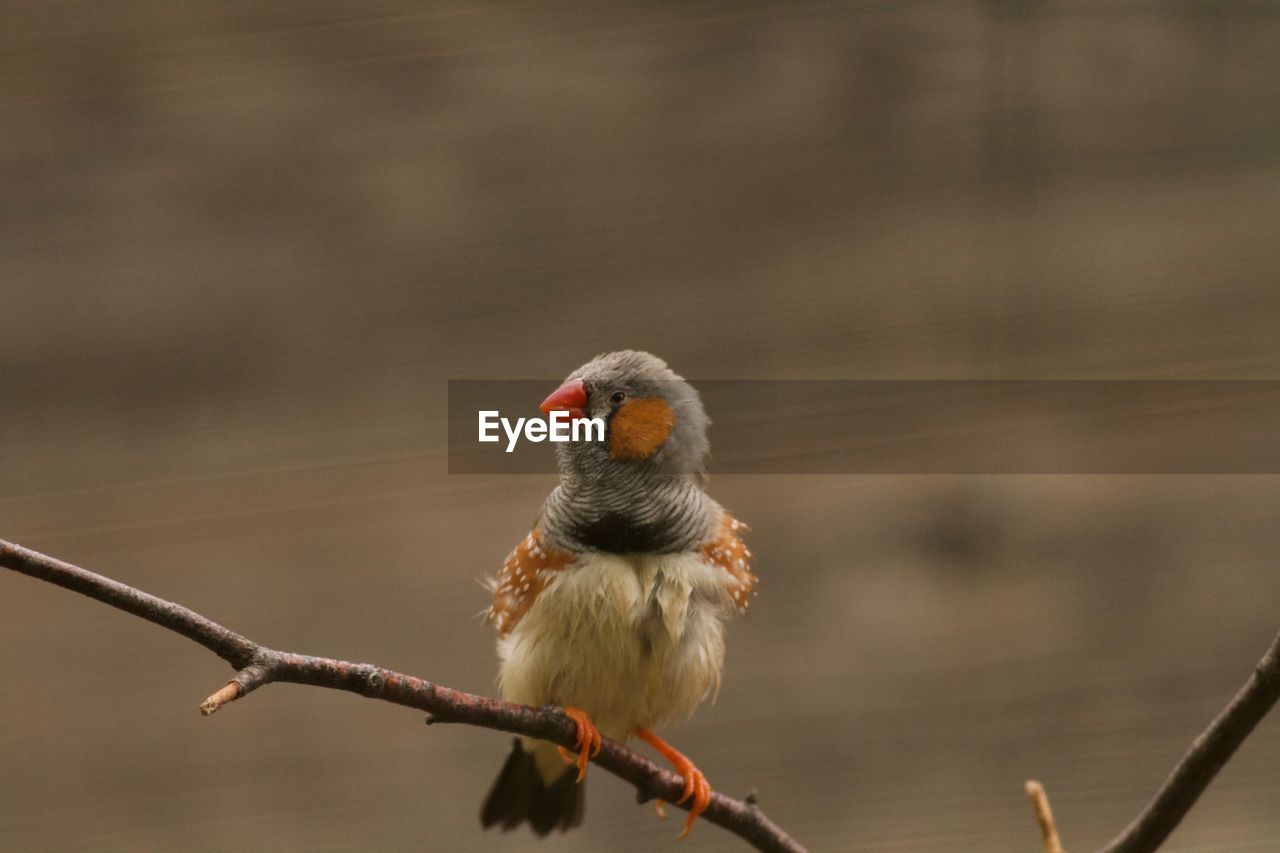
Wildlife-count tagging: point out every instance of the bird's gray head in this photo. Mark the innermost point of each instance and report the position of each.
(654, 420)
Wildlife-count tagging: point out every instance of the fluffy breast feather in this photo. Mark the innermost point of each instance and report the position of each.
(633, 640)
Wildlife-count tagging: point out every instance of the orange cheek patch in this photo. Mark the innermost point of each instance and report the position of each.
(639, 427)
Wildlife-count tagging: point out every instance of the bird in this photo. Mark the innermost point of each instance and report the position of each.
(613, 607)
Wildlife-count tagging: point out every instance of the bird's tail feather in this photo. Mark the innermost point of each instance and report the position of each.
(521, 794)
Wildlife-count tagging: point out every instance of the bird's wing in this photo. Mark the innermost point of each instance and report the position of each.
(729, 552)
(529, 569)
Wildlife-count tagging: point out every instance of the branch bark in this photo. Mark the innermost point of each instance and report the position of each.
(257, 665)
(1208, 753)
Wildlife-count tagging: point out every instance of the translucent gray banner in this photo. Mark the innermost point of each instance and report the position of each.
(930, 426)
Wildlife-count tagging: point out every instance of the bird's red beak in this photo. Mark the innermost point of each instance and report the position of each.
(570, 397)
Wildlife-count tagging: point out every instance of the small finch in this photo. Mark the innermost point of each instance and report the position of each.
(613, 607)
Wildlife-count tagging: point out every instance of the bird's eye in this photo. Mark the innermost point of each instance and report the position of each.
(617, 397)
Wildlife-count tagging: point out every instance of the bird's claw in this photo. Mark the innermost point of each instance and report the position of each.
(588, 740)
(695, 783)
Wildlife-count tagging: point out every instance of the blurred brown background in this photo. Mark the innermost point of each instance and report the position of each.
(243, 247)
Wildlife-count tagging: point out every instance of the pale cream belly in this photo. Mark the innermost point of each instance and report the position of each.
(633, 640)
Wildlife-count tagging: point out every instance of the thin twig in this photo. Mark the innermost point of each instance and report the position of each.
(229, 692)
(257, 665)
(1044, 817)
(1208, 753)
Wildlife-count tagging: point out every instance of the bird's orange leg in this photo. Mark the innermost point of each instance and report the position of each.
(695, 784)
(588, 740)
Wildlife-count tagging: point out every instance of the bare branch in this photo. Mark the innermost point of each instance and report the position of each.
(257, 665)
(1208, 753)
(1044, 817)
